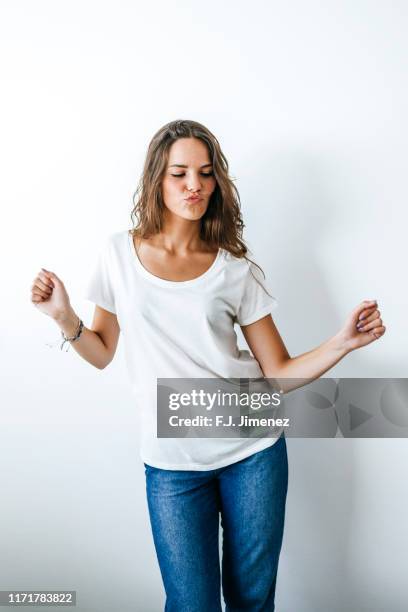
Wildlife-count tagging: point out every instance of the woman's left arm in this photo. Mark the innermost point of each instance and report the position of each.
(362, 327)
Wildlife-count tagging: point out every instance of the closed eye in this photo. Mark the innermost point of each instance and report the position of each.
(202, 174)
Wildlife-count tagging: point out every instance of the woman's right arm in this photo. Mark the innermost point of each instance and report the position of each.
(96, 345)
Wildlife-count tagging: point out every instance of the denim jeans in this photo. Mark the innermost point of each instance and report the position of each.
(184, 508)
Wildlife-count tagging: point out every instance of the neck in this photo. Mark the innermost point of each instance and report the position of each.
(179, 236)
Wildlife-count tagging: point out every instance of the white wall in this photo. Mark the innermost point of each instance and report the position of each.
(308, 100)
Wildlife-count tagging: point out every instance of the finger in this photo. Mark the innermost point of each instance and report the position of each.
(40, 292)
(364, 306)
(54, 278)
(376, 323)
(371, 317)
(372, 325)
(36, 299)
(44, 276)
(38, 285)
(367, 310)
(363, 317)
(42, 285)
(378, 332)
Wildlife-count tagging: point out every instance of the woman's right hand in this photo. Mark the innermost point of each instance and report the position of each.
(49, 295)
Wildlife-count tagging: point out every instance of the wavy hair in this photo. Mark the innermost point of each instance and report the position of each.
(222, 224)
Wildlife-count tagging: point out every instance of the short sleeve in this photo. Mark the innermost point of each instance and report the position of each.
(99, 288)
(256, 299)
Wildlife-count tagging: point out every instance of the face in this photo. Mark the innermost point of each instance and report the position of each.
(189, 173)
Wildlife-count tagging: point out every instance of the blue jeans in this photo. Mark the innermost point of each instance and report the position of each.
(184, 509)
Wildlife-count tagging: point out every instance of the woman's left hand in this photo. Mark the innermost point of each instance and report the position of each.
(363, 326)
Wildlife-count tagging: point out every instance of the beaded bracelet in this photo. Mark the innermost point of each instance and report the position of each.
(74, 337)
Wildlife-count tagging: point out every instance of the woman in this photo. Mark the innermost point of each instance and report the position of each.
(175, 286)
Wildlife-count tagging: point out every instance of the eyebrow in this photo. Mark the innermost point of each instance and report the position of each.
(183, 166)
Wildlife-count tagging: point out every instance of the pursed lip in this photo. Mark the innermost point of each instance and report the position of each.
(196, 199)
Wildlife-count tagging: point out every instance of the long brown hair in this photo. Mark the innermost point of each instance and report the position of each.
(222, 224)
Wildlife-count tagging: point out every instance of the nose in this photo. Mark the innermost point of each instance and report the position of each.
(193, 183)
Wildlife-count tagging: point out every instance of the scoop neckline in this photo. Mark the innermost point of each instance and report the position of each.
(165, 282)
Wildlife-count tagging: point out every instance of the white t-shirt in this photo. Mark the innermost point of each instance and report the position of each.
(181, 329)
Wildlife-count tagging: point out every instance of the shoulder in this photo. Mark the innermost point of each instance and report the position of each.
(113, 246)
(241, 266)
(247, 275)
(116, 240)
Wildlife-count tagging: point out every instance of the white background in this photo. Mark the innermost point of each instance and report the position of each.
(308, 101)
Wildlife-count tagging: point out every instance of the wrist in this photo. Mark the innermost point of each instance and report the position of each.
(67, 321)
(339, 344)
